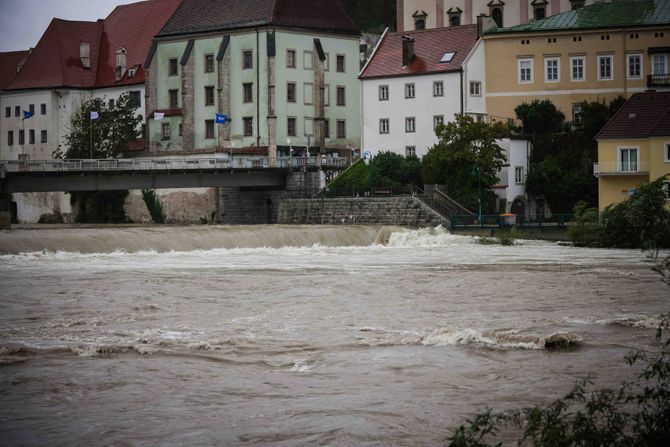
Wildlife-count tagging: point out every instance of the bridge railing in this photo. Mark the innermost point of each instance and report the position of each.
(164, 164)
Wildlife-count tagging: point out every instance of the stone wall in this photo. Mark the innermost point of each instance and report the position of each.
(249, 206)
(404, 211)
(186, 205)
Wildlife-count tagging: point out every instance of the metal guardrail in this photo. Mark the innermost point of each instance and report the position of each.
(164, 164)
(506, 221)
(658, 80)
(620, 168)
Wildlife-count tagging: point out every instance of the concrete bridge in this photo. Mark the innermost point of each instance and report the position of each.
(155, 173)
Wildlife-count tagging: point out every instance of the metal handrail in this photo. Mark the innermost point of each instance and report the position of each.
(620, 168)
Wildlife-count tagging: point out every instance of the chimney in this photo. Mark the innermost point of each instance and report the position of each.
(407, 50)
(85, 54)
(120, 64)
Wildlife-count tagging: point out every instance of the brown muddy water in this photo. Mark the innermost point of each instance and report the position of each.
(300, 335)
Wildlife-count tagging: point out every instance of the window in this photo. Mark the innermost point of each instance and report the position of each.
(518, 175)
(326, 62)
(340, 63)
(309, 127)
(605, 68)
(383, 92)
(666, 154)
(410, 151)
(341, 131)
(247, 59)
(540, 12)
(410, 126)
(10, 137)
(420, 23)
(634, 66)
(8, 112)
(497, 14)
(475, 88)
(577, 68)
(659, 64)
(438, 120)
(341, 96)
(290, 127)
(17, 111)
(31, 136)
(22, 137)
(31, 109)
(326, 95)
(628, 159)
(576, 4)
(326, 128)
(409, 90)
(576, 114)
(135, 99)
(165, 131)
(552, 69)
(438, 88)
(247, 92)
(209, 63)
(180, 129)
(43, 136)
(209, 129)
(307, 60)
(454, 19)
(248, 123)
(290, 58)
(174, 98)
(308, 93)
(525, 71)
(447, 57)
(173, 69)
(112, 103)
(43, 109)
(290, 92)
(384, 125)
(209, 95)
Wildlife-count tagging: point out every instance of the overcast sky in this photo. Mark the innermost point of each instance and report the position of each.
(22, 22)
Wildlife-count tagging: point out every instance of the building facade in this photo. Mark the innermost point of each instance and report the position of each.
(283, 73)
(634, 147)
(595, 53)
(426, 14)
(417, 80)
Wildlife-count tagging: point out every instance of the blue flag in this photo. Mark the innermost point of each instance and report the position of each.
(221, 118)
(27, 114)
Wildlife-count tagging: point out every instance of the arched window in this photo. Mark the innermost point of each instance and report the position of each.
(497, 14)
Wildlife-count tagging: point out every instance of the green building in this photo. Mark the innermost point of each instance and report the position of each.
(283, 71)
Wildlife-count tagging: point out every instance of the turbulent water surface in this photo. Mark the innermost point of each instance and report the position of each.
(300, 335)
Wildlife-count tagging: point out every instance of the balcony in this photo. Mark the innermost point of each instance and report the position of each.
(658, 80)
(619, 168)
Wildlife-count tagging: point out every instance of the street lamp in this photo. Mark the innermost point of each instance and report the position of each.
(479, 192)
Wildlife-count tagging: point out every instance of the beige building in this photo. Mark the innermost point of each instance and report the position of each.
(425, 14)
(595, 53)
(634, 147)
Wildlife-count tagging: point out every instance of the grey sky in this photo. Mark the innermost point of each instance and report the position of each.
(22, 22)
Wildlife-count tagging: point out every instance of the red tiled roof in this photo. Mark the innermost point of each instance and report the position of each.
(8, 65)
(195, 16)
(131, 27)
(55, 60)
(429, 47)
(643, 115)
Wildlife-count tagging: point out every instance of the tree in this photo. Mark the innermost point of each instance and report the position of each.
(391, 169)
(466, 158)
(107, 136)
(540, 117)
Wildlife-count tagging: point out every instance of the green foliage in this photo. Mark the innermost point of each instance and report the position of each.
(561, 187)
(540, 117)
(391, 169)
(585, 229)
(109, 134)
(154, 206)
(100, 206)
(508, 236)
(371, 16)
(640, 221)
(466, 154)
(355, 179)
(630, 415)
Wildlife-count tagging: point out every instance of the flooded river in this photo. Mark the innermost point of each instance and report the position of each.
(300, 335)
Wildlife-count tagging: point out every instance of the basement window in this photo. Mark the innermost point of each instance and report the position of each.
(448, 56)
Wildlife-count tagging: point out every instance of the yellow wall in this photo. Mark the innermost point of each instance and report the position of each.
(608, 150)
(504, 92)
(659, 167)
(613, 189)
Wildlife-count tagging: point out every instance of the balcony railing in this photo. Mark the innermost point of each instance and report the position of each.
(658, 80)
(621, 168)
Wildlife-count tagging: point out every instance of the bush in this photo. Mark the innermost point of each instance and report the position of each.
(154, 206)
(585, 230)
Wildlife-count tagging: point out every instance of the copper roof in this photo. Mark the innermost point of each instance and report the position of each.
(429, 48)
(55, 60)
(197, 16)
(9, 63)
(643, 115)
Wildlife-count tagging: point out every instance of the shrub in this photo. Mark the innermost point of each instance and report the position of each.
(154, 206)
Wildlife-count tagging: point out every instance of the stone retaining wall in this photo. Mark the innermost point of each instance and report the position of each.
(403, 211)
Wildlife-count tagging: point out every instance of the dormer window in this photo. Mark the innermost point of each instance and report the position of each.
(576, 4)
(419, 20)
(85, 54)
(454, 16)
(131, 72)
(539, 9)
(120, 63)
(496, 11)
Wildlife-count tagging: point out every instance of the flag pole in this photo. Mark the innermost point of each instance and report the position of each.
(90, 134)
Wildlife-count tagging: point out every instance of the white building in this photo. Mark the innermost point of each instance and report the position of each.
(417, 80)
